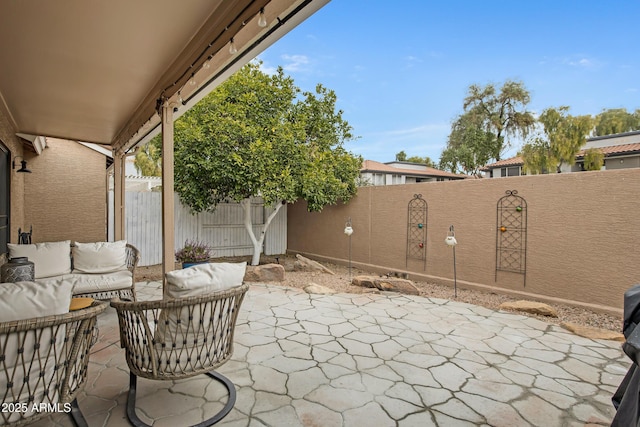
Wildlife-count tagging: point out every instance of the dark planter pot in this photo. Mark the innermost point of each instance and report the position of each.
(191, 264)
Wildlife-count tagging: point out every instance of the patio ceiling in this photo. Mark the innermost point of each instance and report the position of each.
(94, 71)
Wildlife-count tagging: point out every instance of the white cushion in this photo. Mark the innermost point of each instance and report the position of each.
(99, 257)
(86, 283)
(49, 258)
(182, 331)
(204, 279)
(25, 300)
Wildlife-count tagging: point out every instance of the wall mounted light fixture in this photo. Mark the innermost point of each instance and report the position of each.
(23, 163)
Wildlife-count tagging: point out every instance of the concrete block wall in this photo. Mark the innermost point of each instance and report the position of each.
(583, 234)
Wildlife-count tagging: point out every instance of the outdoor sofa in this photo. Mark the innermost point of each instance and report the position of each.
(100, 270)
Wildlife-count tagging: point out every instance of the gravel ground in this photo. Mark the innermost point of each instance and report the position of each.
(340, 282)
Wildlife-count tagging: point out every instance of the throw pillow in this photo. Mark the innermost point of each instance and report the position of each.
(49, 258)
(99, 257)
(204, 279)
(25, 300)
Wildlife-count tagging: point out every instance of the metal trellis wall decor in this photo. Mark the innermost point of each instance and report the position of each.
(417, 230)
(511, 235)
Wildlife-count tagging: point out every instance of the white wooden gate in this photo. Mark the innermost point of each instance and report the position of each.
(222, 229)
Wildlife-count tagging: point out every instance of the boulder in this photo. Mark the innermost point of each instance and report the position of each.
(593, 333)
(264, 273)
(365, 281)
(306, 264)
(389, 284)
(532, 307)
(403, 286)
(314, 288)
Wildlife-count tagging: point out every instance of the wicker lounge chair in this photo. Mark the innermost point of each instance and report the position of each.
(43, 364)
(179, 338)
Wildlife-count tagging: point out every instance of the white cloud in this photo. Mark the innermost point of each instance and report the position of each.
(295, 63)
(581, 61)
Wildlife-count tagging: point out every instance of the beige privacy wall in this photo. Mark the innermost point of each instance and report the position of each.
(583, 234)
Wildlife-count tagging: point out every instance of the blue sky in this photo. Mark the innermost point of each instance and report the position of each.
(401, 69)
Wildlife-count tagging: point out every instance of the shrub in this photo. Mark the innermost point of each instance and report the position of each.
(194, 251)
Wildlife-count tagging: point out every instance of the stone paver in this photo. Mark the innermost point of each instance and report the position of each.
(372, 360)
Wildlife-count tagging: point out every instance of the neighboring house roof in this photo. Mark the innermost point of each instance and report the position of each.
(608, 151)
(511, 161)
(373, 166)
(613, 150)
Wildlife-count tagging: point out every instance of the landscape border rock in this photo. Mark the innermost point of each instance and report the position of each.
(593, 333)
(306, 264)
(264, 273)
(533, 307)
(388, 284)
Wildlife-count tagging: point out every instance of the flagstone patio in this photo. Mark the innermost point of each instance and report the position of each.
(371, 360)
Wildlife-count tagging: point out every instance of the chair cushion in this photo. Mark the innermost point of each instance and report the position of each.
(25, 300)
(99, 257)
(30, 357)
(183, 332)
(85, 283)
(49, 258)
(204, 279)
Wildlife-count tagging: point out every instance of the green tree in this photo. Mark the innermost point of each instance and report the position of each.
(593, 159)
(148, 160)
(491, 119)
(422, 160)
(616, 120)
(469, 146)
(401, 156)
(502, 113)
(563, 137)
(256, 135)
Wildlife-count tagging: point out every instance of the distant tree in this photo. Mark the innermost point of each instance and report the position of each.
(501, 113)
(422, 160)
(148, 160)
(563, 136)
(469, 146)
(401, 156)
(593, 159)
(537, 156)
(254, 135)
(616, 120)
(490, 120)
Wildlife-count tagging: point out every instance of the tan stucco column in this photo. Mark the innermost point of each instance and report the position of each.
(118, 195)
(168, 218)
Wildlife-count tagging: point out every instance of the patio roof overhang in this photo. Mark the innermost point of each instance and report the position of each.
(94, 71)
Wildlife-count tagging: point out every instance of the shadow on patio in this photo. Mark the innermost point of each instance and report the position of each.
(371, 360)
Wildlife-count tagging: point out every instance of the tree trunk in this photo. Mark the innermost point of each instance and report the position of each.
(248, 225)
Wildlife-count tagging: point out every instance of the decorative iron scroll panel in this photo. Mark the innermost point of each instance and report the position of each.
(417, 229)
(511, 234)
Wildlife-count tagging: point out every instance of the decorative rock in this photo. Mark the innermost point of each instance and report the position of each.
(314, 288)
(532, 307)
(403, 286)
(264, 273)
(593, 333)
(365, 281)
(389, 284)
(306, 264)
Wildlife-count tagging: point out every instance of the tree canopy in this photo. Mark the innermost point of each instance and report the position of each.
(562, 137)
(402, 157)
(492, 117)
(258, 135)
(616, 120)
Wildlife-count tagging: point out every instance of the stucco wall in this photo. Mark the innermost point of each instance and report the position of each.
(65, 196)
(583, 233)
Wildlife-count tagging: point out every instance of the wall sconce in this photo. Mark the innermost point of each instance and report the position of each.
(23, 167)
